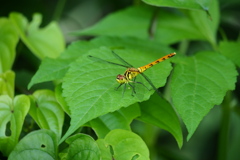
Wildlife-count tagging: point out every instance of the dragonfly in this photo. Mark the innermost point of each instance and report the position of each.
(129, 76)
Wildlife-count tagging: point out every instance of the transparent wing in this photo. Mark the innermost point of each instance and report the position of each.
(104, 61)
(122, 60)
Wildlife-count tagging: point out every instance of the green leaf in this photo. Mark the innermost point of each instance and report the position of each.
(126, 145)
(105, 149)
(231, 51)
(135, 21)
(199, 83)
(61, 65)
(119, 119)
(205, 25)
(50, 69)
(46, 111)
(159, 112)
(89, 84)
(8, 41)
(186, 4)
(82, 147)
(7, 83)
(13, 112)
(55, 69)
(61, 100)
(43, 42)
(41, 144)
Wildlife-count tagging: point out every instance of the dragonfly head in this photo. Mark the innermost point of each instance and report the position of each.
(121, 79)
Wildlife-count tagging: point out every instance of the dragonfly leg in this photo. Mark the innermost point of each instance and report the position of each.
(133, 89)
(124, 89)
(143, 85)
(118, 86)
(134, 80)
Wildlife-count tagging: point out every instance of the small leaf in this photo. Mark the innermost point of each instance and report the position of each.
(119, 119)
(159, 112)
(13, 111)
(82, 147)
(7, 83)
(186, 4)
(126, 145)
(8, 41)
(41, 144)
(44, 42)
(46, 111)
(199, 83)
(231, 51)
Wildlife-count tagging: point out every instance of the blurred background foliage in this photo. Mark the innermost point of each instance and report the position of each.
(74, 15)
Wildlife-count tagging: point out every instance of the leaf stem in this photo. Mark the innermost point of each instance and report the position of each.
(183, 47)
(59, 10)
(224, 130)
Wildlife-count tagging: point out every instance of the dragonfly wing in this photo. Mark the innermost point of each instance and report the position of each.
(99, 59)
(122, 60)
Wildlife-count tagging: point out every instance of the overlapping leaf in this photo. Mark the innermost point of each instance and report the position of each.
(127, 145)
(45, 42)
(8, 41)
(89, 85)
(231, 51)
(187, 4)
(46, 112)
(171, 27)
(159, 112)
(199, 83)
(12, 111)
(41, 144)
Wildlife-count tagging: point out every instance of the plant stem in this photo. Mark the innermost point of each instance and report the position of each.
(224, 130)
(59, 9)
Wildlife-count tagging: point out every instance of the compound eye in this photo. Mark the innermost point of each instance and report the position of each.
(120, 77)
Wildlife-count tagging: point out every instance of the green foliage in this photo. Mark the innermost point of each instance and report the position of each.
(41, 144)
(46, 42)
(187, 4)
(46, 111)
(200, 83)
(8, 42)
(13, 111)
(190, 84)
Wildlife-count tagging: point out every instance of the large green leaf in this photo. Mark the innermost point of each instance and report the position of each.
(198, 83)
(231, 51)
(41, 144)
(8, 41)
(126, 145)
(46, 111)
(187, 4)
(43, 42)
(82, 147)
(12, 111)
(135, 21)
(89, 84)
(159, 112)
